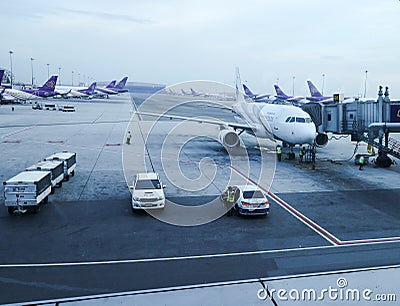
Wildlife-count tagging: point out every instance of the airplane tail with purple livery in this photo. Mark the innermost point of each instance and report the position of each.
(112, 84)
(50, 85)
(120, 86)
(1, 79)
(248, 92)
(91, 88)
(280, 93)
(313, 90)
(1, 75)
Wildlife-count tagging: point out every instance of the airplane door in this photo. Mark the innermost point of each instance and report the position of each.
(275, 123)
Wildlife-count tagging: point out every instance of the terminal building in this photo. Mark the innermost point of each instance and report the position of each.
(370, 121)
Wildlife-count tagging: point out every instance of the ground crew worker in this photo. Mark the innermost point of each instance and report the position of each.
(230, 200)
(361, 162)
(279, 152)
(301, 154)
(128, 138)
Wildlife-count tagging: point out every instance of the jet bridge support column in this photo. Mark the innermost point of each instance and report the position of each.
(381, 129)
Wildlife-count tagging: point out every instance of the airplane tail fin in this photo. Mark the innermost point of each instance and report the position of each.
(50, 85)
(112, 84)
(121, 84)
(280, 92)
(313, 90)
(238, 83)
(247, 91)
(91, 88)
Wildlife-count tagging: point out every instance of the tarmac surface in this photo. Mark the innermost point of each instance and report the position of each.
(86, 241)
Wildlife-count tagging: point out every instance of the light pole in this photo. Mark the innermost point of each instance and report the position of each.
(277, 81)
(293, 86)
(11, 78)
(323, 83)
(48, 70)
(79, 79)
(72, 83)
(59, 75)
(365, 84)
(32, 59)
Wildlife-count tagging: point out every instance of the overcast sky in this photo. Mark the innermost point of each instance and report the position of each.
(174, 41)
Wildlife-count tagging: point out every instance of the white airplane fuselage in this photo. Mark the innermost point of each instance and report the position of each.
(287, 123)
(21, 95)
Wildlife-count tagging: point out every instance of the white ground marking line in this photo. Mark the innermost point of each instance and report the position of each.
(202, 286)
(176, 258)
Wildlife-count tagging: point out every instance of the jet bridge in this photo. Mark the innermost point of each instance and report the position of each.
(370, 121)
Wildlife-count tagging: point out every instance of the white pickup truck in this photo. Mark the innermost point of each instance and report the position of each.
(147, 192)
(26, 191)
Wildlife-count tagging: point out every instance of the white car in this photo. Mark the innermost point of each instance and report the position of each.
(147, 192)
(251, 201)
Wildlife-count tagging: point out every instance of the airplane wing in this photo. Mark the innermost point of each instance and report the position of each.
(263, 96)
(222, 124)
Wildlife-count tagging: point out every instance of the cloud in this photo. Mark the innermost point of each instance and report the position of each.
(109, 16)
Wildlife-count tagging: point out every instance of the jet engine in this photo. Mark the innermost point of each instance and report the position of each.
(229, 138)
(321, 139)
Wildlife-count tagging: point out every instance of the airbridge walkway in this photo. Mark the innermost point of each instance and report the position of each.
(370, 121)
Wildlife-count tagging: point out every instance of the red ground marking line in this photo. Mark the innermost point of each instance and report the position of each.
(112, 144)
(55, 141)
(372, 240)
(17, 132)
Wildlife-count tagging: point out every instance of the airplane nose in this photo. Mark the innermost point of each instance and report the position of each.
(308, 134)
(311, 134)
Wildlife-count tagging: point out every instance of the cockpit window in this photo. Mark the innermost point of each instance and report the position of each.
(308, 120)
(287, 119)
(301, 120)
(292, 119)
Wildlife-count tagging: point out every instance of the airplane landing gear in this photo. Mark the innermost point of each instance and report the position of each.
(291, 155)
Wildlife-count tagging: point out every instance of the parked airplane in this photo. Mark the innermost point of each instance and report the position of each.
(76, 92)
(185, 93)
(45, 91)
(255, 97)
(316, 96)
(108, 89)
(112, 89)
(119, 88)
(281, 95)
(196, 94)
(287, 123)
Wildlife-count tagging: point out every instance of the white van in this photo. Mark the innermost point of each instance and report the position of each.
(147, 192)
